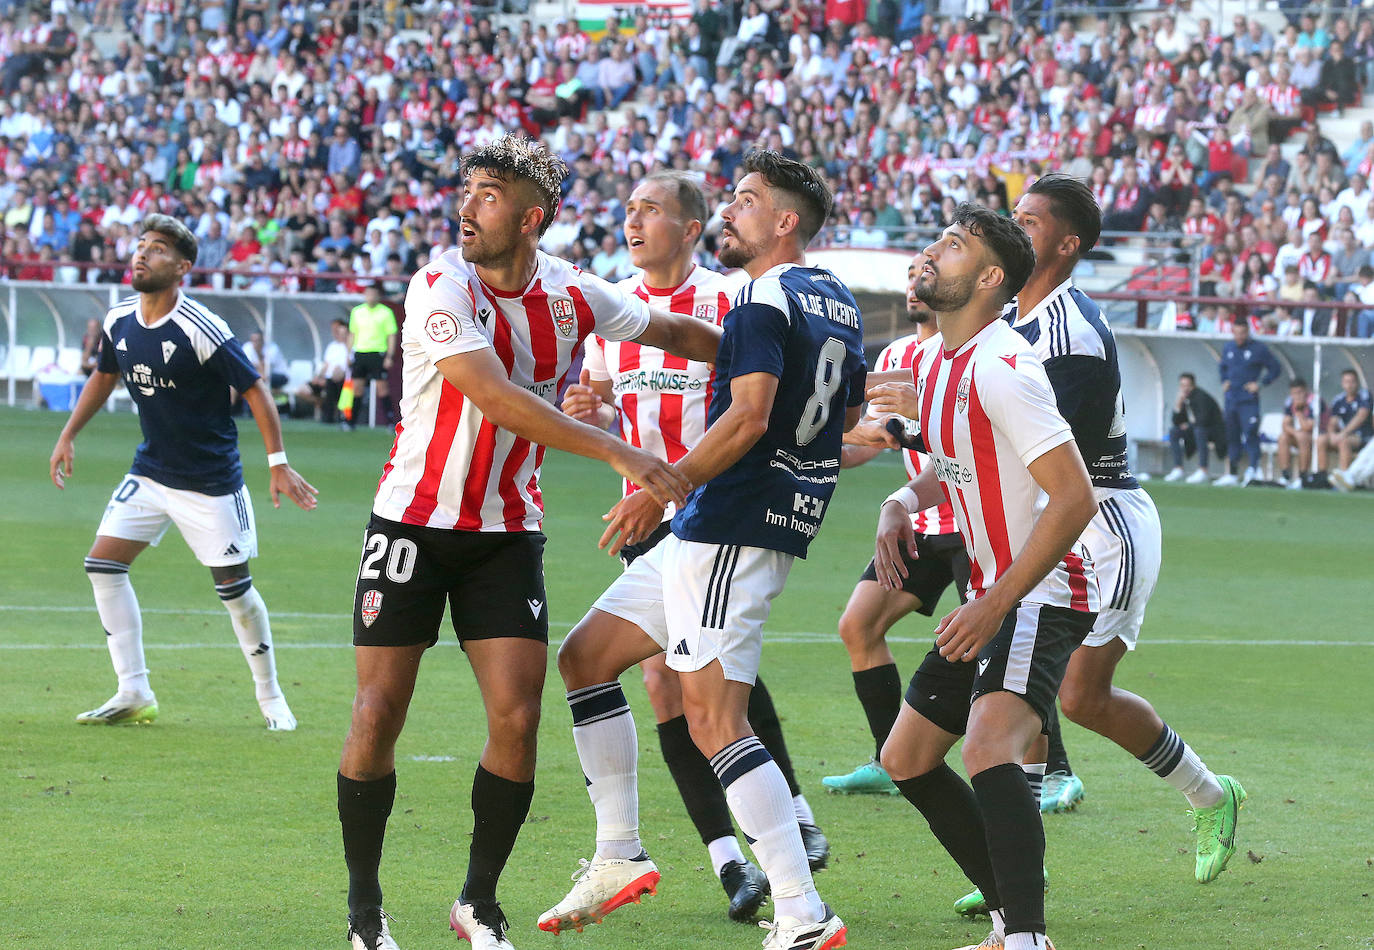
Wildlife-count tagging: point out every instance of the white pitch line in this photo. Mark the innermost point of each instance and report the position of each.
(802, 636)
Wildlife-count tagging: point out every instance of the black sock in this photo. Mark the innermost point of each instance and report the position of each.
(499, 807)
(1058, 760)
(696, 781)
(1016, 844)
(763, 718)
(880, 694)
(950, 808)
(363, 810)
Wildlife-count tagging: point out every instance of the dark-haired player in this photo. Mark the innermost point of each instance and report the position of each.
(660, 402)
(180, 364)
(788, 382)
(1078, 350)
(1004, 457)
(492, 329)
(937, 560)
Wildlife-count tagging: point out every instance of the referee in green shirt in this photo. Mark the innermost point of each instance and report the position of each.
(371, 335)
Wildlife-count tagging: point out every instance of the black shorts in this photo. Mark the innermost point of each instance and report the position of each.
(493, 583)
(1027, 657)
(941, 559)
(369, 366)
(631, 551)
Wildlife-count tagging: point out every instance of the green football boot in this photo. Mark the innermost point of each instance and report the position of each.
(973, 905)
(868, 779)
(1060, 791)
(1215, 828)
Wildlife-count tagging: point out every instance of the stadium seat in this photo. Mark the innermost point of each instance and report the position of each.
(1270, 428)
(18, 362)
(69, 358)
(298, 374)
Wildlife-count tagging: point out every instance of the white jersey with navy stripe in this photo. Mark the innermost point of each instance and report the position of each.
(180, 370)
(1067, 332)
(1078, 351)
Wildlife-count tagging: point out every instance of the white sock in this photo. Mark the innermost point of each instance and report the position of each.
(999, 923)
(248, 614)
(1174, 760)
(1025, 941)
(1035, 776)
(758, 798)
(803, 809)
(117, 606)
(723, 851)
(604, 733)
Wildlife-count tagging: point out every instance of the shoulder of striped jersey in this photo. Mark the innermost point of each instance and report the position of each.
(124, 308)
(206, 331)
(766, 290)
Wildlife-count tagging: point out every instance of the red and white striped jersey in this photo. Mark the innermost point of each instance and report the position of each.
(450, 467)
(937, 519)
(660, 399)
(987, 412)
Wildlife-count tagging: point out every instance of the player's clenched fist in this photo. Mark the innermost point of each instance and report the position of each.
(886, 398)
(583, 403)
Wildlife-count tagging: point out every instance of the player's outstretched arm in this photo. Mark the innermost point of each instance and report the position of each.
(680, 335)
(284, 479)
(480, 376)
(725, 442)
(590, 400)
(93, 396)
(1061, 473)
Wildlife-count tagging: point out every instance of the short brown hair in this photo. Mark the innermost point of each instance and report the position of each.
(512, 157)
(180, 236)
(801, 182)
(686, 190)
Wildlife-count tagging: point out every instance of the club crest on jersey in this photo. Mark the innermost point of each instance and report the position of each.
(441, 326)
(563, 316)
(961, 396)
(706, 311)
(372, 606)
(168, 348)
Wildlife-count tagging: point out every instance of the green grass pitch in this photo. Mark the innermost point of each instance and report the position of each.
(206, 831)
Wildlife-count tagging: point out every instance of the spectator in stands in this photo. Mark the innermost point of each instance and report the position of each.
(322, 390)
(1315, 264)
(1300, 414)
(1337, 85)
(90, 347)
(612, 260)
(1196, 424)
(1362, 325)
(1246, 366)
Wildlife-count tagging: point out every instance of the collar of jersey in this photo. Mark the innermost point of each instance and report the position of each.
(138, 313)
(657, 292)
(971, 342)
(1023, 318)
(514, 294)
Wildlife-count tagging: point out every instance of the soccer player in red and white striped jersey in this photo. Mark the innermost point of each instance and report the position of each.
(492, 330)
(936, 559)
(659, 402)
(1005, 459)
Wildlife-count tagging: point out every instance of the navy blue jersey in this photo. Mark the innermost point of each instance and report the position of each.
(1344, 408)
(1078, 351)
(800, 324)
(179, 372)
(1251, 363)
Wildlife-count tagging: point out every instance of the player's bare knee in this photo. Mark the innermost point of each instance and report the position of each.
(856, 629)
(572, 659)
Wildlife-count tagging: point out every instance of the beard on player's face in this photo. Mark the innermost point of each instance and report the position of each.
(155, 281)
(738, 253)
(946, 294)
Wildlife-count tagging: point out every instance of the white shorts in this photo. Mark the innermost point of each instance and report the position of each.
(713, 607)
(219, 529)
(1124, 541)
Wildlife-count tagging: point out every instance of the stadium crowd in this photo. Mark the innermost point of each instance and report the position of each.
(296, 143)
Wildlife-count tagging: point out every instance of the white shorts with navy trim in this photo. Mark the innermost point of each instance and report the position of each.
(219, 529)
(1125, 543)
(713, 606)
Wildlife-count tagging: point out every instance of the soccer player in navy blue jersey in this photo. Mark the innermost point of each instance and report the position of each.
(181, 365)
(789, 381)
